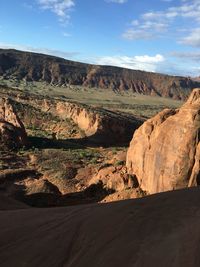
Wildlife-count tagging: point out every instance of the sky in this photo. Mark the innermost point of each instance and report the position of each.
(152, 35)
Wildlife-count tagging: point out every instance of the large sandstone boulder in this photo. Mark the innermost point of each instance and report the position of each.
(164, 153)
(40, 193)
(12, 131)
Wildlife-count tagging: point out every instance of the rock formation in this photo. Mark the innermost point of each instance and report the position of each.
(72, 120)
(12, 131)
(57, 71)
(164, 153)
(98, 125)
(40, 193)
(114, 178)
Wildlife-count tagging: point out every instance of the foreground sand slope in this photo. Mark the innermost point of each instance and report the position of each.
(159, 230)
(7, 203)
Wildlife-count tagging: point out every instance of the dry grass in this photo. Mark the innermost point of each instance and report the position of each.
(132, 103)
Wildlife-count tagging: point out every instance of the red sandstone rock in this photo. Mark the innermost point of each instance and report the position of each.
(12, 131)
(164, 153)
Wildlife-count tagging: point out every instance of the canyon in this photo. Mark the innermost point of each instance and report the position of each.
(77, 161)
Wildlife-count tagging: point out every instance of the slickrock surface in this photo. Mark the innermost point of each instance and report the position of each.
(159, 230)
(164, 153)
(7, 203)
(12, 131)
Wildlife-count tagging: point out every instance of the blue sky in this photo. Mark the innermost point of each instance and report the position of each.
(153, 35)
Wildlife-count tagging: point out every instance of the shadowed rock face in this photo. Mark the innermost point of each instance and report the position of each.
(57, 71)
(159, 230)
(164, 153)
(12, 131)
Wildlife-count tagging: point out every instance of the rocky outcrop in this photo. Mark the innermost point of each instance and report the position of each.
(112, 178)
(164, 153)
(41, 186)
(131, 193)
(40, 193)
(12, 131)
(57, 71)
(35, 117)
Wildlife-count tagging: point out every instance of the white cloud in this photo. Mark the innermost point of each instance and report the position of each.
(192, 56)
(146, 27)
(46, 51)
(60, 7)
(66, 34)
(167, 0)
(132, 34)
(116, 1)
(193, 38)
(147, 63)
(153, 24)
(27, 6)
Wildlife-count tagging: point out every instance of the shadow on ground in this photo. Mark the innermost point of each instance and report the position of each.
(94, 193)
(44, 143)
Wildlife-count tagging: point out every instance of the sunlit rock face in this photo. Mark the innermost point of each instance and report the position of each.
(12, 131)
(164, 153)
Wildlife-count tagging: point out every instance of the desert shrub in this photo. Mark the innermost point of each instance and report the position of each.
(119, 162)
(105, 165)
(94, 161)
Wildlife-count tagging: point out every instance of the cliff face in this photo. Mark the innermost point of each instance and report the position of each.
(71, 120)
(164, 153)
(58, 71)
(98, 125)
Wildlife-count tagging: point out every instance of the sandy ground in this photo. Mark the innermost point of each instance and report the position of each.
(161, 230)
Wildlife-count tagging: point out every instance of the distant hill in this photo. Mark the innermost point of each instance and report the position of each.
(197, 79)
(58, 71)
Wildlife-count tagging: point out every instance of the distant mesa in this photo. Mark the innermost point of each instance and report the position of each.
(164, 153)
(57, 71)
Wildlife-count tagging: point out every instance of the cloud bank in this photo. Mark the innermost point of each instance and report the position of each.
(145, 62)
